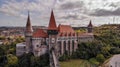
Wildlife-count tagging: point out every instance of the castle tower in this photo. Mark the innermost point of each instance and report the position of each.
(52, 32)
(90, 27)
(28, 35)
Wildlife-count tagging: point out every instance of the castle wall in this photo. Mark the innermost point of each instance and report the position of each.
(39, 46)
(68, 44)
(20, 49)
(28, 44)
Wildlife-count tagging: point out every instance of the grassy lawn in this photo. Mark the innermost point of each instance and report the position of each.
(76, 63)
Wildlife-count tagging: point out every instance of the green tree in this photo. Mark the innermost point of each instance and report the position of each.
(12, 61)
(94, 61)
(100, 57)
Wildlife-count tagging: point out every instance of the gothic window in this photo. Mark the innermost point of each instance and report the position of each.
(60, 47)
(72, 45)
(64, 45)
(69, 47)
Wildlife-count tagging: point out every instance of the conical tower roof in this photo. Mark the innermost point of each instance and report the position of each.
(28, 25)
(90, 24)
(52, 22)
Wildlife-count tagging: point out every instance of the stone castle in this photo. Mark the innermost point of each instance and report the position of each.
(62, 39)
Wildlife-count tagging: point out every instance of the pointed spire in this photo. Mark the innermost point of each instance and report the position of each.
(28, 25)
(90, 24)
(52, 23)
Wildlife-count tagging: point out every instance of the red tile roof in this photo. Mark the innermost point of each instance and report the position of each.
(65, 29)
(90, 24)
(28, 25)
(52, 23)
(40, 33)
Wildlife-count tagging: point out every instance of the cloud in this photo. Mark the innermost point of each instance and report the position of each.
(103, 12)
(72, 5)
(70, 17)
(12, 8)
(113, 5)
(74, 17)
(15, 8)
(103, 8)
(65, 10)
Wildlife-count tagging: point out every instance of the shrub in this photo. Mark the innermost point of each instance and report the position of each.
(94, 61)
(100, 57)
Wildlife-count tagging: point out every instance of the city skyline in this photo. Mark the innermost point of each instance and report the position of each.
(72, 12)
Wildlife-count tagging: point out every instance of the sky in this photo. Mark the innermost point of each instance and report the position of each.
(70, 12)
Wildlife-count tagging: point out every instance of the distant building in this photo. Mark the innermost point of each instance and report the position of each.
(67, 39)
